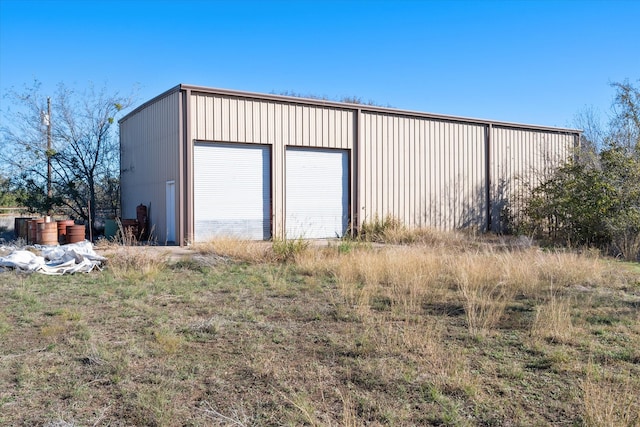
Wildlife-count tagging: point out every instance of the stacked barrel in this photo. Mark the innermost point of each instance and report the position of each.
(45, 231)
(75, 233)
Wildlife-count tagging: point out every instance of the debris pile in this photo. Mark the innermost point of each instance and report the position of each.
(53, 260)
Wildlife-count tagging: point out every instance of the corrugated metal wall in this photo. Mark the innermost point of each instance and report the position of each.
(219, 118)
(520, 160)
(231, 119)
(425, 172)
(149, 144)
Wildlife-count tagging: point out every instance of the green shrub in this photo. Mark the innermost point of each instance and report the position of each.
(594, 200)
(287, 249)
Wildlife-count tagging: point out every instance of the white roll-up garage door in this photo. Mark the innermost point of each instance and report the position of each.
(232, 191)
(317, 198)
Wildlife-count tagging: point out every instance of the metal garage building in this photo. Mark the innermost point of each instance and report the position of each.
(213, 162)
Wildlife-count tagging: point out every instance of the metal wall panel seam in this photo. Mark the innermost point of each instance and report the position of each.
(320, 128)
(488, 179)
(364, 167)
(248, 121)
(221, 105)
(325, 135)
(241, 121)
(382, 170)
(375, 198)
(385, 181)
(424, 172)
(393, 167)
(278, 124)
(406, 145)
(356, 170)
(216, 117)
(299, 135)
(447, 174)
(255, 121)
(371, 202)
(378, 191)
(369, 145)
(236, 123)
(264, 123)
(199, 127)
(306, 126)
(411, 184)
(398, 171)
(270, 125)
(463, 181)
(368, 168)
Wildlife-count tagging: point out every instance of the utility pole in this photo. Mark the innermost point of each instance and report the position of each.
(49, 189)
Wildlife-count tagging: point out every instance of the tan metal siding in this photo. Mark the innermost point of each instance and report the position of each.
(229, 119)
(424, 172)
(150, 141)
(222, 118)
(520, 160)
(424, 169)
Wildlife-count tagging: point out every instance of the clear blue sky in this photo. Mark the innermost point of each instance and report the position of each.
(537, 62)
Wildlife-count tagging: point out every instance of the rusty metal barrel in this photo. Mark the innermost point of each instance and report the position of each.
(62, 230)
(130, 229)
(143, 222)
(48, 233)
(31, 231)
(35, 235)
(21, 227)
(75, 233)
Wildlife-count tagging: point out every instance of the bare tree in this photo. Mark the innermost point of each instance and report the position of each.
(349, 99)
(625, 122)
(84, 152)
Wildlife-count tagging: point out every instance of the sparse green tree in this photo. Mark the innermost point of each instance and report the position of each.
(9, 195)
(595, 198)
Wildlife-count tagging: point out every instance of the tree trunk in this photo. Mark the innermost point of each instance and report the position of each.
(92, 205)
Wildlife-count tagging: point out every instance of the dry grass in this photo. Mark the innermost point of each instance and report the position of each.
(398, 277)
(553, 319)
(244, 250)
(391, 231)
(610, 400)
(486, 280)
(350, 333)
(134, 263)
(485, 289)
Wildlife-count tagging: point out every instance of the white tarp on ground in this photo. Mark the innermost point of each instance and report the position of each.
(54, 260)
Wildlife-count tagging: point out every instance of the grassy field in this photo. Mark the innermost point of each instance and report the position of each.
(445, 330)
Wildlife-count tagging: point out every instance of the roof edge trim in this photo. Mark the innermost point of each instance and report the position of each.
(144, 105)
(348, 106)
